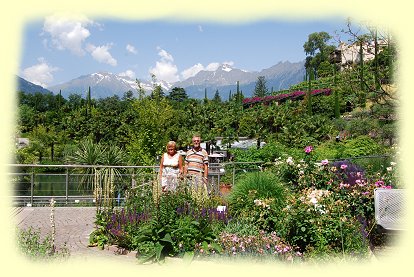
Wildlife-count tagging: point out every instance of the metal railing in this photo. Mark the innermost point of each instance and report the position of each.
(35, 185)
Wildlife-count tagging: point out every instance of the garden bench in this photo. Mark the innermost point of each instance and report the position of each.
(389, 208)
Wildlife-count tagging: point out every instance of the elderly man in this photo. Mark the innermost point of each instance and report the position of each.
(196, 165)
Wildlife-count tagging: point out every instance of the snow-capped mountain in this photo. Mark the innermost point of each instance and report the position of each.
(28, 87)
(224, 75)
(224, 79)
(102, 84)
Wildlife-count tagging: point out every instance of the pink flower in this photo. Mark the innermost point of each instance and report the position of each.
(324, 162)
(308, 149)
(343, 166)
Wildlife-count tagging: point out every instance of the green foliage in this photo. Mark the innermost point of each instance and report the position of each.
(317, 51)
(32, 246)
(242, 227)
(178, 94)
(331, 150)
(353, 147)
(260, 89)
(259, 196)
(159, 225)
(320, 223)
(259, 247)
(361, 146)
(100, 236)
(112, 130)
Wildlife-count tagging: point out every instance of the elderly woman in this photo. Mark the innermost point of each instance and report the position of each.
(171, 166)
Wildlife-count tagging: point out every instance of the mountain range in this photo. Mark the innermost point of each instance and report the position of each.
(223, 79)
(28, 87)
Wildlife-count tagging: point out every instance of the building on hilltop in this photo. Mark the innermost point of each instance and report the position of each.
(350, 53)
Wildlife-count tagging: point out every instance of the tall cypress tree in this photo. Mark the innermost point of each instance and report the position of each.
(205, 95)
(337, 112)
(88, 101)
(308, 93)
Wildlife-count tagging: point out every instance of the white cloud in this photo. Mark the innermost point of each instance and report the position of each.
(128, 73)
(212, 66)
(165, 56)
(164, 68)
(131, 49)
(67, 33)
(200, 28)
(192, 71)
(39, 74)
(101, 54)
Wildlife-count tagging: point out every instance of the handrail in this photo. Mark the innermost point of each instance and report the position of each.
(82, 166)
(217, 170)
(114, 166)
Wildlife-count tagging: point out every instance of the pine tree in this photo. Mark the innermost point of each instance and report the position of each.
(217, 97)
(141, 91)
(260, 89)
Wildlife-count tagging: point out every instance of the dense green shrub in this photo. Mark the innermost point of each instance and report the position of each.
(361, 146)
(352, 147)
(318, 222)
(330, 150)
(259, 196)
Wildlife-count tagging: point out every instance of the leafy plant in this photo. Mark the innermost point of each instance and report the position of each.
(260, 196)
(31, 244)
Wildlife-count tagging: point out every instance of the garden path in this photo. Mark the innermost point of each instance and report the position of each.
(73, 226)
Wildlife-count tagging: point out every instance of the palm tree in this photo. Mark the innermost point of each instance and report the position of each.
(102, 179)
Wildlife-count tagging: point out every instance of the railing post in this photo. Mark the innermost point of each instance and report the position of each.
(67, 185)
(234, 174)
(31, 188)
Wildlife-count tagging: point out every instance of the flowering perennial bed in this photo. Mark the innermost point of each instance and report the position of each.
(297, 209)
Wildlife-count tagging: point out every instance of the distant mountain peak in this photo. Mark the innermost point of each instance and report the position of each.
(29, 87)
(224, 79)
(226, 67)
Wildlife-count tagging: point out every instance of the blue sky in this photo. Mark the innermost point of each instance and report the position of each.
(57, 49)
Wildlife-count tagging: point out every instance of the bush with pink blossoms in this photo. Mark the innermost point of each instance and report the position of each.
(258, 247)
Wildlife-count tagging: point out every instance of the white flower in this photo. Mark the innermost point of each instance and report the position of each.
(393, 163)
(289, 161)
(389, 168)
(314, 200)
